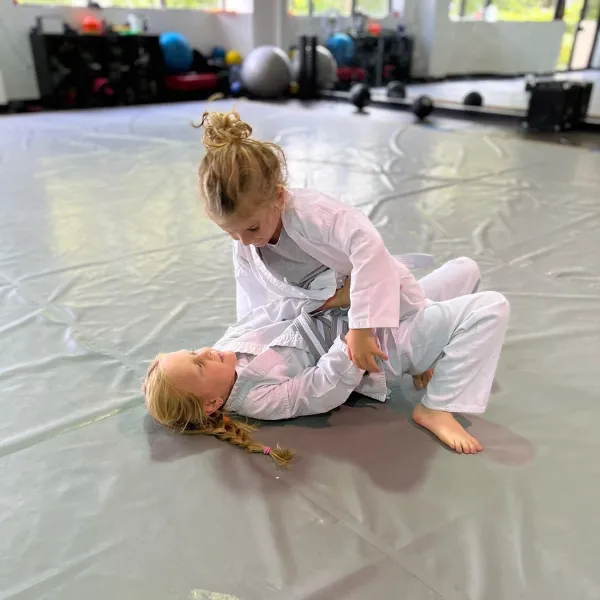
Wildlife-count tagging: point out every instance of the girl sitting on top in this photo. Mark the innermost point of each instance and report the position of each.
(299, 245)
(299, 367)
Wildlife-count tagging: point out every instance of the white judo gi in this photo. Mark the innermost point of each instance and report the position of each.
(301, 367)
(383, 290)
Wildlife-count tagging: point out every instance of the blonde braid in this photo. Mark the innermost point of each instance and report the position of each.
(238, 434)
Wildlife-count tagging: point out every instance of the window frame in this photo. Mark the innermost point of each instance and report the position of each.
(353, 8)
(559, 9)
(221, 5)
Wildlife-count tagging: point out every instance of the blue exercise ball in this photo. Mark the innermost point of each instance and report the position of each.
(218, 53)
(342, 46)
(177, 52)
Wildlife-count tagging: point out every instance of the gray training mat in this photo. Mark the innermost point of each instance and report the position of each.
(106, 259)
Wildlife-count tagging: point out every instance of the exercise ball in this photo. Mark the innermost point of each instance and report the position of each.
(267, 72)
(91, 25)
(218, 53)
(423, 107)
(233, 57)
(473, 99)
(360, 95)
(326, 67)
(342, 48)
(177, 53)
(396, 89)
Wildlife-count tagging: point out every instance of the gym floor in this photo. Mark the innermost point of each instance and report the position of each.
(106, 259)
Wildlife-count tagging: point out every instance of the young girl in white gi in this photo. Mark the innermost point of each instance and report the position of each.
(301, 367)
(299, 245)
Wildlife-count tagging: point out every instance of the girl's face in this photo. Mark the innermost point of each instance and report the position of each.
(258, 228)
(206, 373)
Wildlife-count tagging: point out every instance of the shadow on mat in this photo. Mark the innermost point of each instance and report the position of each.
(379, 438)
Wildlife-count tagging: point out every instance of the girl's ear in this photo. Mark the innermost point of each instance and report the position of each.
(280, 200)
(212, 405)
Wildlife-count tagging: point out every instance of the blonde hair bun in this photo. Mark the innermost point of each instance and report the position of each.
(222, 129)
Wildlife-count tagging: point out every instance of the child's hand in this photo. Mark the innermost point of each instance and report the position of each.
(341, 299)
(363, 348)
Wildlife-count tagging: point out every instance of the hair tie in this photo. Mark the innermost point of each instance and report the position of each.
(266, 450)
(226, 420)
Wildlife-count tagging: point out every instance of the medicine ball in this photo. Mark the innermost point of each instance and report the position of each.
(423, 107)
(473, 99)
(360, 95)
(396, 89)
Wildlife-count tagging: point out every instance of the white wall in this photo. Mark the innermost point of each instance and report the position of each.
(499, 48)
(462, 47)
(203, 29)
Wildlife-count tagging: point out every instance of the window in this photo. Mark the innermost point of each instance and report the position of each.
(322, 7)
(233, 5)
(503, 10)
(192, 4)
(299, 8)
(373, 8)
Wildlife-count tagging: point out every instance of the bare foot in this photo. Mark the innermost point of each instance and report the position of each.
(443, 425)
(420, 381)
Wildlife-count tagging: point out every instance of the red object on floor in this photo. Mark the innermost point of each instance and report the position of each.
(351, 74)
(192, 82)
(388, 71)
(101, 85)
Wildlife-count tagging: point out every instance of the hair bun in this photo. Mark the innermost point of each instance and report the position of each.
(221, 129)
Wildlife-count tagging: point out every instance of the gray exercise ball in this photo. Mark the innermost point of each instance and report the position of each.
(267, 72)
(326, 67)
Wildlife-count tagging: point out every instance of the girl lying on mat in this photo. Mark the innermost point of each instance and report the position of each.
(301, 367)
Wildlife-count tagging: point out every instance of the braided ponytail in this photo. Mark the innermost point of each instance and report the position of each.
(238, 433)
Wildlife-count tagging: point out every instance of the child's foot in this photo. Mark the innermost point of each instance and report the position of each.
(420, 381)
(443, 425)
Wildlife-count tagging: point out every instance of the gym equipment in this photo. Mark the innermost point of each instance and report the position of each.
(423, 107)
(218, 53)
(236, 88)
(396, 89)
(267, 72)
(326, 67)
(384, 57)
(473, 99)
(177, 52)
(91, 25)
(233, 57)
(306, 54)
(68, 68)
(558, 105)
(342, 48)
(374, 28)
(360, 95)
